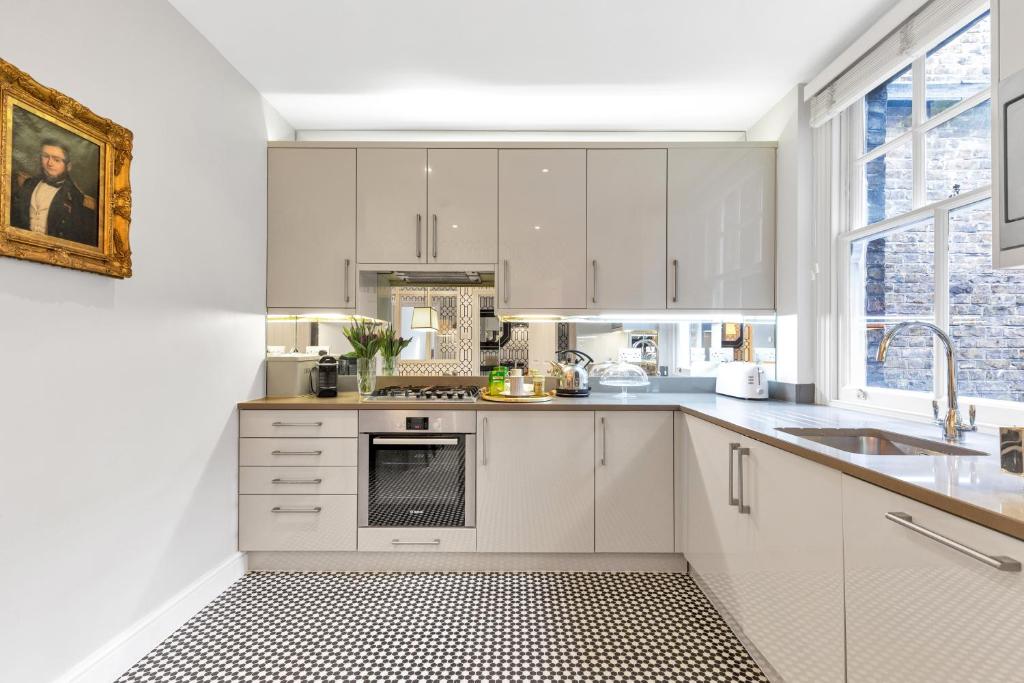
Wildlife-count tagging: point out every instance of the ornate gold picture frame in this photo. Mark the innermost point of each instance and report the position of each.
(65, 195)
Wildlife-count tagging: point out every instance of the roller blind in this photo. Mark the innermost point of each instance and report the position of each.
(923, 29)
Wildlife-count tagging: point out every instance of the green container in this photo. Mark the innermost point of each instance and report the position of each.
(496, 380)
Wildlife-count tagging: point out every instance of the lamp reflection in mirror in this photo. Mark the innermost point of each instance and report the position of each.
(424, 318)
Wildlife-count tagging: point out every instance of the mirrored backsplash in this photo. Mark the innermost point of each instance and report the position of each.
(455, 332)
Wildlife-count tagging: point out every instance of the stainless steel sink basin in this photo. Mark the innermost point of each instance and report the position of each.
(877, 442)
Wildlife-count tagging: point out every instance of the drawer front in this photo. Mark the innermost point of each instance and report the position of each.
(298, 452)
(293, 423)
(296, 522)
(418, 540)
(296, 480)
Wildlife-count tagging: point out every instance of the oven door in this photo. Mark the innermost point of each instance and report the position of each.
(417, 480)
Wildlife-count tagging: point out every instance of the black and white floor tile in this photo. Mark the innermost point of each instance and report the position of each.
(324, 627)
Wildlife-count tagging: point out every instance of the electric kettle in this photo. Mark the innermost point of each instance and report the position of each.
(573, 379)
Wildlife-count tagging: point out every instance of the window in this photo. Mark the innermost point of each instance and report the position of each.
(919, 234)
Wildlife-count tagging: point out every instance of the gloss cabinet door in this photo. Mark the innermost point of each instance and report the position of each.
(392, 206)
(462, 206)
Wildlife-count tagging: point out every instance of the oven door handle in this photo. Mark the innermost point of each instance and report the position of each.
(393, 441)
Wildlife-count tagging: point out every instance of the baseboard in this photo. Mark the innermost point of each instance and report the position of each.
(123, 650)
(463, 562)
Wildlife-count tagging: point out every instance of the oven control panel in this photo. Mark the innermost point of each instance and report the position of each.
(398, 421)
(417, 424)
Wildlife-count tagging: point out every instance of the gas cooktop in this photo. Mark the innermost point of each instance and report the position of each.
(438, 394)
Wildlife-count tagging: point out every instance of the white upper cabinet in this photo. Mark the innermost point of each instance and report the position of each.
(626, 228)
(1011, 48)
(462, 203)
(918, 610)
(542, 219)
(721, 228)
(633, 482)
(311, 228)
(392, 206)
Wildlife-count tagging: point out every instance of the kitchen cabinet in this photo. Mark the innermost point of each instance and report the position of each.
(721, 228)
(462, 202)
(311, 228)
(535, 482)
(542, 219)
(391, 211)
(626, 228)
(633, 482)
(1011, 49)
(918, 610)
(773, 559)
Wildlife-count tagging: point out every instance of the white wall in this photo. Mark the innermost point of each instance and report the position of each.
(117, 419)
(788, 122)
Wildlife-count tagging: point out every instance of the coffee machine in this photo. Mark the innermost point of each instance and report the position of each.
(323, 377)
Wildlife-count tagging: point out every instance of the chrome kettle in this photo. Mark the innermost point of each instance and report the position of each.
(573, 379)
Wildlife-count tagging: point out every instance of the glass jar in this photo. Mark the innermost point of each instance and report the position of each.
(387, 365)
(366, 375)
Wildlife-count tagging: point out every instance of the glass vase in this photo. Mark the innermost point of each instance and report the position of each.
(388, 366)
(366, 375)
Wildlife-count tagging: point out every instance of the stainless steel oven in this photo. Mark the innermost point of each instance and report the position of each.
(417, 468)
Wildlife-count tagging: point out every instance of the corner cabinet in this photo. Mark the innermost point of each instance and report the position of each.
(916, 609)
(311, 229)
(542, 241)
(772, 559)
(535, 482)
(721, 228)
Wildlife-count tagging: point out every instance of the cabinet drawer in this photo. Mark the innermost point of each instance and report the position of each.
(298, 452)
(418, 540)
(296, 522)
(293, 480)
(290, 423)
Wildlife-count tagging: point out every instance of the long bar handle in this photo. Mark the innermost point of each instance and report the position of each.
(435, 235)
(593, 299)
(675, 280)
(296, 452)
(348, 263)
(310, 510)
(740, 452)
(419, 235)
(297, 424)
(436, 541)
(1000, 562)
(483, 442)
(733, 500)
(505, 292)
(297, 481)
(604, 442)
(398, 441)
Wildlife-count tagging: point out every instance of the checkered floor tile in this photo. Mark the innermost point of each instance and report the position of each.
(323, 627)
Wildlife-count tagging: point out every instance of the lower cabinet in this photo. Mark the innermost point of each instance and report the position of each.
(422, 540)
(633, 482)
(765, 536)
(918, 610)
(535, 482)
(296, 522)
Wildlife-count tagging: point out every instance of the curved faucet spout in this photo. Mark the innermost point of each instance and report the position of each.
(952, 427)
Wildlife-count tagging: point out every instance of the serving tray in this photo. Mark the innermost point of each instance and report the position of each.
(501, 398)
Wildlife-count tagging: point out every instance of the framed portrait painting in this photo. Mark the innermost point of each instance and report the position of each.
(65, 195)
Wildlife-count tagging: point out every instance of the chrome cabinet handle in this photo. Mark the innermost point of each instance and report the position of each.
(435, 235)
(1000, 562)
(604, 443)
(436, 541)
(399, 441)
(733, 500)
(297, 481)
(419, 238)
(675, 280)
(310, 510)
(297, 424)
(740, 452)
(483, 443)
(296, 452)
(348, 263)
(505, 293)
(593, 299)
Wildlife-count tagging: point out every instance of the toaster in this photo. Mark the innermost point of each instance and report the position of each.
(742, 380)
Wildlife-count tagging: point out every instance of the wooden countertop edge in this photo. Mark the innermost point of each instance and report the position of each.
(972, 513)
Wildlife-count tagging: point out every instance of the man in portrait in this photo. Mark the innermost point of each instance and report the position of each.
(50, 203)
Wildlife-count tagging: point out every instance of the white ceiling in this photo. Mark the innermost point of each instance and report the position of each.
(528, 64)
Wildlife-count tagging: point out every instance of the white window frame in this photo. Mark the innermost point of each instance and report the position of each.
(850, 388)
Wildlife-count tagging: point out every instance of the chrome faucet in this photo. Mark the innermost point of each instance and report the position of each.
(953, 427)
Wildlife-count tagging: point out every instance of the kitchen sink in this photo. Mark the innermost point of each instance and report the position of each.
(877, 442)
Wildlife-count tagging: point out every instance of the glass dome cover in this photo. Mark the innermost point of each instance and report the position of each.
(619, 374)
